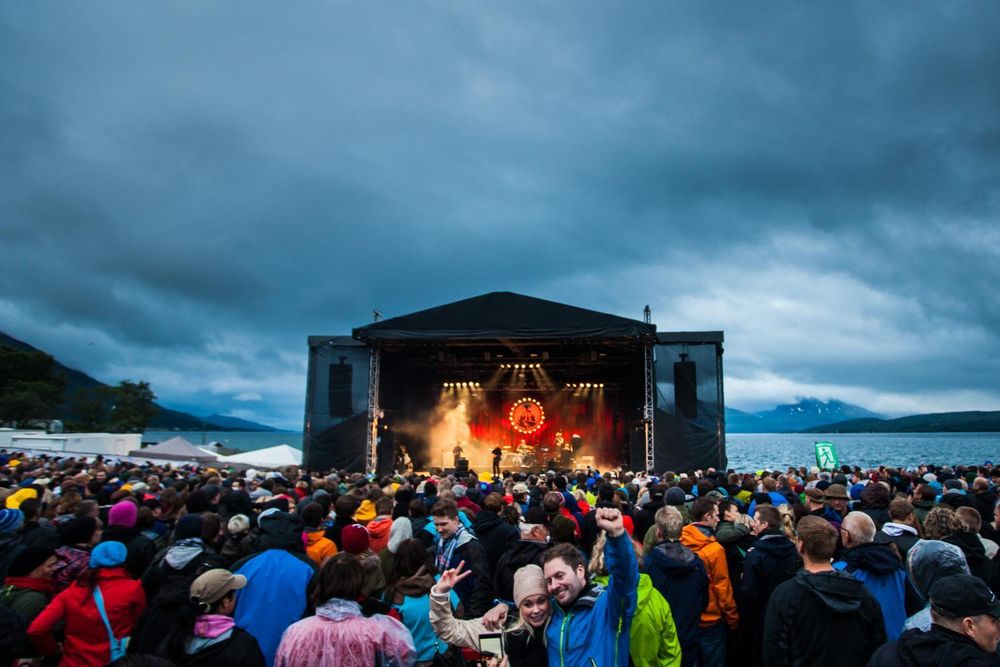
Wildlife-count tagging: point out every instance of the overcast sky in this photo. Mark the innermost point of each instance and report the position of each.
(190, 189)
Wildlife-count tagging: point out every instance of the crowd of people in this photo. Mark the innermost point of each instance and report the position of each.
(126, 563)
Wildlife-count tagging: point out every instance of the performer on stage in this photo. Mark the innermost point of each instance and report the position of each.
(457, 451)
(497, 455)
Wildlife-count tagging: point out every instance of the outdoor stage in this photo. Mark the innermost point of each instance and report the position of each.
(545, 383)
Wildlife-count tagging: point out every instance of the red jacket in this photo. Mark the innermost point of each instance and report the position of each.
(86, 636)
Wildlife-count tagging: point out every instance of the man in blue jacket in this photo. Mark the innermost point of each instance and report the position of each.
(278, 577)
(590, 624)
(878, 566)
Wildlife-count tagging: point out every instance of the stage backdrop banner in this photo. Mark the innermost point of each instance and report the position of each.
(336, 404)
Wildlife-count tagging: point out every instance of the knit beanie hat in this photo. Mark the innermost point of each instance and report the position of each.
(124, 514)
(529, 580)
(675, 496)
(10, 520)
(189, 526)
(459, 490)
(108, 554)
(30, 558)
(78, 531)
(355, 538)
(402, 530)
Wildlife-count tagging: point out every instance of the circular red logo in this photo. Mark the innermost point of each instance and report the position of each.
(527, 415)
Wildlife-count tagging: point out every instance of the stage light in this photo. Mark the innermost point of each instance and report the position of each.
(588, 385)
(601, 385)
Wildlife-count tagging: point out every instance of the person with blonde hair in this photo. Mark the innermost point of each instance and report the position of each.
(523, 637)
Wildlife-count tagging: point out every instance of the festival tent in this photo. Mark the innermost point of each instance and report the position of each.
(174, 449)
(278, 456)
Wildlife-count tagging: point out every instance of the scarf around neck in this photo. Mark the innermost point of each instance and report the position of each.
(446, 549)
(211, 626)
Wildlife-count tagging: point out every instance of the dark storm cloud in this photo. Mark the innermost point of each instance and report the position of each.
(198, 179)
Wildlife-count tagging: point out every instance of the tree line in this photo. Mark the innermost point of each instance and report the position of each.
(32, 393)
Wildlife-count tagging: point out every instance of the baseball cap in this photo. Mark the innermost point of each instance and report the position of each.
(962, 595)
(215, 584)
(520, 488)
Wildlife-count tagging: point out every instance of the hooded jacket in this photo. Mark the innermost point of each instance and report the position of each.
(411, 599)
(596, 628)
(378, 532)
(86, 641)
(825, 619)
(928, 561)
(938, 646)
(721, 603)
(318, 546)
(975, 556)
(495, 534)
(239, 649)
(653, 640)
(28, 596)
(277, 578)
(340, 636)
(771, 561)
(900, 534)
(882, 573)
(680, 576)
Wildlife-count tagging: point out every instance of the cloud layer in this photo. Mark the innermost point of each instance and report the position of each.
(190, 190)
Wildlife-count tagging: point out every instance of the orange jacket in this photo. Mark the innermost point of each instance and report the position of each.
(721, 604)
(319, 547)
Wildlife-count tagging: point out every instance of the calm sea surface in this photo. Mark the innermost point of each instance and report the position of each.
(747, 451)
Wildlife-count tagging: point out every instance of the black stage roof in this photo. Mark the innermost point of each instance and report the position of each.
(503, 315)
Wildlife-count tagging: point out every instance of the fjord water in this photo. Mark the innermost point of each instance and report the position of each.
(747, 451)
(751, 451)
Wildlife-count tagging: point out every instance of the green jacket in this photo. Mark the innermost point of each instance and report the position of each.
(28, 604)
(653, 640)
(728, 531)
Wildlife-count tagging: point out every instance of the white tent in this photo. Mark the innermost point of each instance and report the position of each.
(278, 456)
(174, 449)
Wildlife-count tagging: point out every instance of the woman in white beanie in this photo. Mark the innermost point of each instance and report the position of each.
(523, 638)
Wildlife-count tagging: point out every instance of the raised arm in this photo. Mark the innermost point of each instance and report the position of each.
(451, 630)
(619, 559)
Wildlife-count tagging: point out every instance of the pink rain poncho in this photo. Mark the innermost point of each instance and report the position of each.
(339, 636)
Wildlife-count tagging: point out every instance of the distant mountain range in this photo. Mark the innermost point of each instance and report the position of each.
(165, 420)
(943, 422)
(811, 415)
(806, 414)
